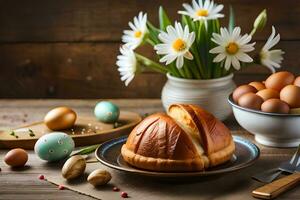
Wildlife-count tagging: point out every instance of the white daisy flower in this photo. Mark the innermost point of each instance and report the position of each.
(272, 58)
(134, 37)
(127, 64)
(232, 47)
(202, 11)
(176, 44)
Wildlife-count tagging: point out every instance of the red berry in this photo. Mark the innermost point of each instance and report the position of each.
(41, 177)
(124, 194)
(61, 187)
(116, 189)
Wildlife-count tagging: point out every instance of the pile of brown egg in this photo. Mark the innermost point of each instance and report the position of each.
(280, 93)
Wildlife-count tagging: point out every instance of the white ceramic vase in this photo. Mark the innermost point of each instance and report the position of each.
(210, 94)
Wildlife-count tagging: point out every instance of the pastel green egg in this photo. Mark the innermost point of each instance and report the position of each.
(54, 146)
(107, 112)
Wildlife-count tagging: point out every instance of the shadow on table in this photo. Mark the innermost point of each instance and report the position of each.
(204, 187)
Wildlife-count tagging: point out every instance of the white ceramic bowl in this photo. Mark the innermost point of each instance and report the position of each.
(270, 129)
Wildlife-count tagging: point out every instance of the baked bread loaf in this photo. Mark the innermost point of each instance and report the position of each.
(188, 138)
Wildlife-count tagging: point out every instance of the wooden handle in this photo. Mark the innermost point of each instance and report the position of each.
(272, 190)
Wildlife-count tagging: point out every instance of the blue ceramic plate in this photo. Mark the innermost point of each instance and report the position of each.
(246, 153)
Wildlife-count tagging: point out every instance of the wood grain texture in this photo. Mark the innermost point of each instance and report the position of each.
(88, 70)
(24, 184)
(86, 131)
(94, 20)
(68, 49)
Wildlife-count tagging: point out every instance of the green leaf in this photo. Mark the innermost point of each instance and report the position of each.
(231, 23)
(203, 48)
(215, 28)
(85, 151)
(153, 34)
(151, 64)
(164, 20)
(191, 64)
(31, 133)
(185, 20)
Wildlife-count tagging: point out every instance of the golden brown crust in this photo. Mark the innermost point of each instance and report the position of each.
(216, 138)
(222, 156)
(160, 164)
(159, 144)
(190, 139)
(215, 134)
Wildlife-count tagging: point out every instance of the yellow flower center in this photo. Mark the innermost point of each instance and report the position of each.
(179, 45)
(263, 55)
(138, 34)
(202, 13)
(232, 48)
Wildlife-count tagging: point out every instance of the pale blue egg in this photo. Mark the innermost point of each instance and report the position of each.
(54, 146)
(107, 112)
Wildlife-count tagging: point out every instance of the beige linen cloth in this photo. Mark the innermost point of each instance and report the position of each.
(236, 185)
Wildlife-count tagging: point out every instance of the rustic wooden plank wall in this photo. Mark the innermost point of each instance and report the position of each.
(67, 49)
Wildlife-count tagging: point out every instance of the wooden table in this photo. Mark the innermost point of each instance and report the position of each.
(24, 184)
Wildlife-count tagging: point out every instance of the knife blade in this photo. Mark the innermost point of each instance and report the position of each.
(288, 166)
(274, 189)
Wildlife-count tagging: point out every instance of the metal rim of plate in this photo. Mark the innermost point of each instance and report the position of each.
(113, 162)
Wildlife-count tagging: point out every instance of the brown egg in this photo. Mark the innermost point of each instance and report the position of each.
(258, 85)
(268, 94)
(243, 89)
(279, 80)
(275, 106)
(60, 118)
(297, 81)
(16, 157)
(291, 95)
(250, 100)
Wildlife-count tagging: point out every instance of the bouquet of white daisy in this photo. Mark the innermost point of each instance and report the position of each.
(197, 47)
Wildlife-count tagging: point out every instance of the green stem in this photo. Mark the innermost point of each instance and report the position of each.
(187, 72)
(205, 48)
(151, 42)
(199, 66)
(220, 69)
(200, 57)
(195, 72)
(151, 64)
(218, 72)
(182, 74)
(253, 31)
(224, 72)
(191, 65)
(173, 70)
(86, 150)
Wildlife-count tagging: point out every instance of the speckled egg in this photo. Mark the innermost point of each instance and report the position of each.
(107, 112)
(54, 146)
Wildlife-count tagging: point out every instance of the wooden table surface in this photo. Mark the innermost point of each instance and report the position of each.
(24, 184)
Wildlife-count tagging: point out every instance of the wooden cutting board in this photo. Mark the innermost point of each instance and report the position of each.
(86, 131)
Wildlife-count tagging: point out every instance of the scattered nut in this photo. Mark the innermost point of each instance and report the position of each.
(73, 167)
(99, 177)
